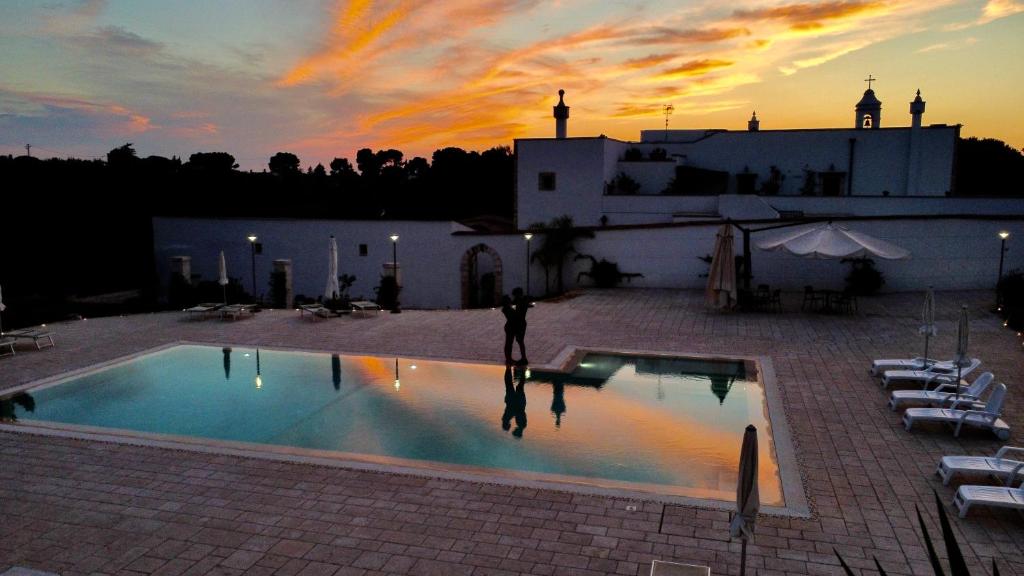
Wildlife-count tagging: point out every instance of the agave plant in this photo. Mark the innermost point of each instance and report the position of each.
(957, 565)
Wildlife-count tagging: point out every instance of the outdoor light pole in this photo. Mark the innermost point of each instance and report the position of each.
(394, 271)
(252, 244)
(528, 236)
(1003, 235)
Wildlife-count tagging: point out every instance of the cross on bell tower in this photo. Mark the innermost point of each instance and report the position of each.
(869, 80)
(868, 114)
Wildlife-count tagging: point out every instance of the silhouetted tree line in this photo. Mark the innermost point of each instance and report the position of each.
(988, 167)
(84, 227)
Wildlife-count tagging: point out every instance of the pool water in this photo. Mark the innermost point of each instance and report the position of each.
(673, 426)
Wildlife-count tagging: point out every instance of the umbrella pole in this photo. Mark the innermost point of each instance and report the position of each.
(743, 557)
(925, 361)
(225, 288)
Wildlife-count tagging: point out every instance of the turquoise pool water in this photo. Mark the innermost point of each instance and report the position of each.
(673, 425)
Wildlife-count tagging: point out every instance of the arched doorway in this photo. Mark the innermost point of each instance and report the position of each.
(481, 277)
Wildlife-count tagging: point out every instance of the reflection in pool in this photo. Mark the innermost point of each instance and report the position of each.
(672, 424)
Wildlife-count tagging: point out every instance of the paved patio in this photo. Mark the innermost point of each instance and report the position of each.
(74, 506)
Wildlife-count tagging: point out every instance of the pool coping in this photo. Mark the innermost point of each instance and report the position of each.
(794, 497)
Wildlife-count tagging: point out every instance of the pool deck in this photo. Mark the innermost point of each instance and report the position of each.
(76, 507)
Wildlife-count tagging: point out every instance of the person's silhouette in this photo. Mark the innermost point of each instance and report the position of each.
(522, 304)
(511, 329)
(558, 402)
(515, 403)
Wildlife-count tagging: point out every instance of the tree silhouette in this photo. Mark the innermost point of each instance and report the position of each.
(284, 163)
(558, 244)
(213, 161)
(122, 156)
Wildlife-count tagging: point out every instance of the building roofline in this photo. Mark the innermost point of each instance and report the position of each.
(575, 138)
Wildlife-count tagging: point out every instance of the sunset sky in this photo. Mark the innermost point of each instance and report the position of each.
(322, 78)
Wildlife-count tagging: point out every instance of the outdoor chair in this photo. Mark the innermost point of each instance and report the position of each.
(775, 300)
(987, 417)
(317, 311)
(236, 311)
(365, 306)
(879, 367)
(7, 343)
(943, 394)
(846, 303)
(36, 335)
(1005, 469)
(995, 496)
(929, 375)
(812, 298)
(203, 311)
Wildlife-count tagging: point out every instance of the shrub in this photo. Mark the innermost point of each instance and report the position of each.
(633, 155)
(387, 292)
(658, 155)
(1010, 294)
(864, 279)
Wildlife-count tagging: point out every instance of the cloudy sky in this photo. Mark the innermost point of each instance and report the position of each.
(322, 78)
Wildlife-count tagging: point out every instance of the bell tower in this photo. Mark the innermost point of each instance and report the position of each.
(869, 109)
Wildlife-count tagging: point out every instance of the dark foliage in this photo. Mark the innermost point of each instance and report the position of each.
(387, 292)
(864, 279)
(278, 289)
(604, 274)
(1011, 299)
(623, 184)
(988, 167)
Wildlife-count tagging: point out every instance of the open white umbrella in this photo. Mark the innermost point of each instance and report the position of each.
(928, 321)
(721, 289)
(223, 279)
(331, 291)
(748, 498)
(963, 336)
(831, 241)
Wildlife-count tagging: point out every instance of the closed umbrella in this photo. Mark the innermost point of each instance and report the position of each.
(2, 308)
(721, 289)
(331, 291)
(963, 336)
(748, 500)
(832, 241)
(223, 280)
(928, 320)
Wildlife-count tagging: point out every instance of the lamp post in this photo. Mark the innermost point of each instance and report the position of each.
(252, 244)
(394, 272)
(1003, 235)
(528, 236)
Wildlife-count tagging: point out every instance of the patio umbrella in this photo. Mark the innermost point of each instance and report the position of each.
(331, 291)
(2, 308)
(223, 280)
(721, 289)
(928, 320)
(748, 500)
(963, 335)
(336, 371)
(227, 363)
(832, 241)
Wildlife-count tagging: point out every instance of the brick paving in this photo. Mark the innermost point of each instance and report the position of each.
(79, 507)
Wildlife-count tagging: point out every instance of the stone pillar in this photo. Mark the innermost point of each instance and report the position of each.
(285, 265)
(182, 265)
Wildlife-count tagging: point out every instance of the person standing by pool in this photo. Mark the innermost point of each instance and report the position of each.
(522, 304)
(511, 328)
(515, 402)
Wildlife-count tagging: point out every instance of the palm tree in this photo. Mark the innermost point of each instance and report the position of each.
(559, 243)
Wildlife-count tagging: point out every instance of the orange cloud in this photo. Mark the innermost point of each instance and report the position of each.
(694, 68)
(811, 14)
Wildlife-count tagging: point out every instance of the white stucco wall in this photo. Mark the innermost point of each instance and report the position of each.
(429, 255)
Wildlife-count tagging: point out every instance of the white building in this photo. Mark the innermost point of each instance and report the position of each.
(891, 183)
(677, 175)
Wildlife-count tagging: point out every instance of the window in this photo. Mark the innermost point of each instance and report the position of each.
(546, 181)
(363, 250)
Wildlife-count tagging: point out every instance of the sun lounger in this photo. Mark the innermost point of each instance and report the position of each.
(317, 311)
(995, 496)
(204, 310)
(365, 306)
(1006, 469)
(943, 394)
(880, 367)
(929, 375)
(36, 335)
(7, 343)
(987, 417)
(236, 311)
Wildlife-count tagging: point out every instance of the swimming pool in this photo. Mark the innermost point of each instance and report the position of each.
(655, 424)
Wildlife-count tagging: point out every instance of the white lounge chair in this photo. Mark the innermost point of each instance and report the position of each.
(879, 367)
(997, 465)
(929, 375)
(7, 343)
(987, 418)
(37, 335)
(941, 395)
(995, 496)
(205, 310)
